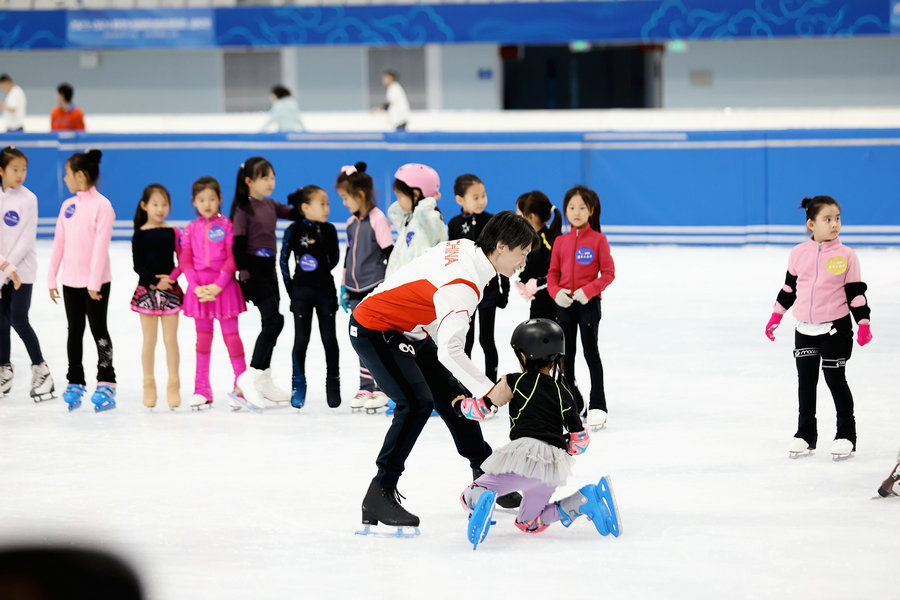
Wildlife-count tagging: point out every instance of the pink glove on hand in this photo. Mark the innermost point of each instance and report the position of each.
(474, 409)
(520, 287)
(531, 288)
(578, 442)
(864, 335)
(772, 325)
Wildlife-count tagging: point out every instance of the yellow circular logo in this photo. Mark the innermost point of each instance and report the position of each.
(836, 265)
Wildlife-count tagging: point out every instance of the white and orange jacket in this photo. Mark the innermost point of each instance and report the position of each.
(18, 232)
(435, 295)
(83, 233)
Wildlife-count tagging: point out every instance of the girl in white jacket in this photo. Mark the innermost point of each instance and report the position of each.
(415, 214)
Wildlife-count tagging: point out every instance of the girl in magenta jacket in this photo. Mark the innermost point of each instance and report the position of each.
(823, 285)
(81, 246)
(581, 267)
(207, 260)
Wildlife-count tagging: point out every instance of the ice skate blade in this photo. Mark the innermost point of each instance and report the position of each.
(597, 427)
(371, 411)
(841, 457)
(356, 409)
(796, 455)
(399, 532)
(480, 520)
(244, 404)
(888, 497)
(43, 397)
(103, 407)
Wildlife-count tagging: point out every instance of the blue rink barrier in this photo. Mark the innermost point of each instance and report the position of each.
(709, 188)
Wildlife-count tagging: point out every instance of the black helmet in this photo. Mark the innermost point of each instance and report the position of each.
(539, 339)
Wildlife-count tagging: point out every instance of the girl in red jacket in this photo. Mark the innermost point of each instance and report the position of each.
(581, 267)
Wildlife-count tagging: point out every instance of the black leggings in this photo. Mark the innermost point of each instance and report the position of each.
(14, 306)
(584, 318)
(324, 303)
(78, 306)
(413, 377)
(486, 316)
(272, 324)
(832, 351)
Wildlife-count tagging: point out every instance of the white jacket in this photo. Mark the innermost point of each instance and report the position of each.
(398, 104)
(18, 231)
(418, 231)
(435, 295)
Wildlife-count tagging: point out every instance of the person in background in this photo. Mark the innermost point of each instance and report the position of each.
(14, 105)
(65, 116)
(532, 284)
(396, 103)
(285, 112)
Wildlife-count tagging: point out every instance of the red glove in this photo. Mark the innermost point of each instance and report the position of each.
(772, 325)
(474, 408)
(864, 335)
(578, 442)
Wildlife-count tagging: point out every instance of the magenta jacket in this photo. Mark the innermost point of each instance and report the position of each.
(206, 255)
(83, 233)
(823, 283)
(580, 259)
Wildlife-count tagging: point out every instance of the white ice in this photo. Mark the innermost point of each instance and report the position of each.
(222, 504)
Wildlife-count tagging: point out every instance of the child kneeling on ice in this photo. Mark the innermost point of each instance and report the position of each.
(539, 457)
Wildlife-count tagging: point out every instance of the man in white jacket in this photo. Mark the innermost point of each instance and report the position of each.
(396, 103)
(410, 332)
(13, 106)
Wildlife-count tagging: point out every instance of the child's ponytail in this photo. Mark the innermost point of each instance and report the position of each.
(87, 163)
(253, 168)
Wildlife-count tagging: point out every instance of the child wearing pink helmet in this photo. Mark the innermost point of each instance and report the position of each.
(415, 214)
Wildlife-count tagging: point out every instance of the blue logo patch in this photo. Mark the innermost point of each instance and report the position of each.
(349, 240)
(265, 252)
(216, 234)
(584, 256)
(308, 263)
(70, 210)
(11, 218)
(409, 237)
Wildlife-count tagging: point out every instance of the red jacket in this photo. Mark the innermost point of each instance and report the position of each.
(62, 120)
(576, 261)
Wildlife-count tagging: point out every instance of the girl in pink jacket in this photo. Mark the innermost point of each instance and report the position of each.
(81, 246)
(206, 258)
(823, 285)
(581, 267)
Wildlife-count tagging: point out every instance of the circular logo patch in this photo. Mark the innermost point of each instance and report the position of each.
(11, 218)
(70, 210)
(265, 252)
(216, 234)
(836, 265)
(308, 263)
(409, 237)
(584, 256)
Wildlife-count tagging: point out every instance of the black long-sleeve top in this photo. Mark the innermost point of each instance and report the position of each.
(153, 253)
(315, 248)
(541, 408)
(538, 262)
(468, 226)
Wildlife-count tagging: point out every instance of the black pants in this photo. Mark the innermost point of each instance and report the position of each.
(833, 351)
(413, 377)
(14, 306)
(324, 303)
(584, 318)
(272, 324)
(486, 317)
(78, 306)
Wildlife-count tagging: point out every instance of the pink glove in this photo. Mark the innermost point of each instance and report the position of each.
(772, 325)
(520, 287)
(474, 409)
(531, 287)
(864, 335)
(578, 442)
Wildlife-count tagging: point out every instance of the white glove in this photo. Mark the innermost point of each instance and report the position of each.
(580, 296)
(563, 299)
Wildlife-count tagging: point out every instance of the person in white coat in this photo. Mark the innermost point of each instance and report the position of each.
(14, 105)
(395, 103)
(285, 112)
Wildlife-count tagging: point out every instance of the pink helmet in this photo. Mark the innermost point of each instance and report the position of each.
(420, 176)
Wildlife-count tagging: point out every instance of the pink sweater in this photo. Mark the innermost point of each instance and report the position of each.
(822, 269)
(83, 233)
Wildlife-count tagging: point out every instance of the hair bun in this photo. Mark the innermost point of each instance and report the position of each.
(805, 202)
(361, 166)
(94, 155)
(295, 196)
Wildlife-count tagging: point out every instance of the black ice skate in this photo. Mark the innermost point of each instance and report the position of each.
(889, 486)
(383, 505)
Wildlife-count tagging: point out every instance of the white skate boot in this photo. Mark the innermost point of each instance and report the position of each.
(42, 387)
(268, 390)
(359, 400)
(841, 449)
(6, 378)
(596, 419)
(377, 400)
(199, 401)
(799, 447)
(246, 389)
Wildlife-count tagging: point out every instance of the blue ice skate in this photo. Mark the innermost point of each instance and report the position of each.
(608, 502)
(104, 398)
(298, 393)
(596, 502)
(73, 394)
(480, 519)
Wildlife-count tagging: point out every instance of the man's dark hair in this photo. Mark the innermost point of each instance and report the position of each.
(508, 228)
(5, 77)
(279, 91)
(66, 91)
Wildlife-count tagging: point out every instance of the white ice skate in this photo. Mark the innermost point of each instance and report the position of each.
(6, 378)
(377, 400)
(799, 448)
(596, 419)
(359, 400)
(42, 387)
(246, 390)
(841, 449)
(269, 390)
(199, 401)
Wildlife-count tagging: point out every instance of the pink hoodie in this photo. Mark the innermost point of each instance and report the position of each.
(83, 233)
(822, 270)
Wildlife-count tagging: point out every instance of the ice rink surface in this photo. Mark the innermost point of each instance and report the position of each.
(223, 504)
